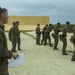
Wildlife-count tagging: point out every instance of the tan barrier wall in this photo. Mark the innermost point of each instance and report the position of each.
(27, 22)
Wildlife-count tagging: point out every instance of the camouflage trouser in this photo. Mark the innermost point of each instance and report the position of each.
(64, 41)
(4, 72)
(42, 39)
(14, 42)
(55, 41)
(73, 57)
(19, 42)
(49, 39)
(45, 38)
(37, 39)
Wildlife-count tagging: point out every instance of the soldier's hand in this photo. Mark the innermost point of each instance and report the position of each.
(15, 55)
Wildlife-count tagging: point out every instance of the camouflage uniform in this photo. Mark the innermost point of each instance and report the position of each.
(19, 39)
(38, 33)
(73, 57)
(64, 40)
(47, 35)
(56, 33)
(50, 29)
(4, 53)
(64, 35)
(43, 35)
(14, 34)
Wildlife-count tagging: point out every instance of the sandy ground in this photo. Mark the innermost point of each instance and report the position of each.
(43, 60)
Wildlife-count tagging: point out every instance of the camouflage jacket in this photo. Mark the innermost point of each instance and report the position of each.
(38, 31)
(14, 33)
(64, 31)
(5, 54)
(56, 30)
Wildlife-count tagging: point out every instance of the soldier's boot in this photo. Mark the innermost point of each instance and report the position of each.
(55, 48)
(73, 57)
(64, 53)
(51, 45)
(19, 48)
(13, 50)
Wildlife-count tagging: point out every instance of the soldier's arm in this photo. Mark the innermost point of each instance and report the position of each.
(4, 53)
(74, 31)
(64, 31)
(9, 34)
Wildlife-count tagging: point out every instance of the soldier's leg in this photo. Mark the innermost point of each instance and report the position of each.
(45, 40)
(55, 42)
(36, 39)
(13, 46)
(49, 38)
(64, 46)
(19, 42)
(42, 41)
(73, 57)
(39, 39)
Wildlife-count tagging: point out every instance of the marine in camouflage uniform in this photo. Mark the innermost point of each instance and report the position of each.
(47, 35)
(50, 29)
(56, 33)
(38, 33)
(13, 36)
(64, 36)
(46, 29)
(73, 41)
(5, 54)
(19, 39)
(43, 34)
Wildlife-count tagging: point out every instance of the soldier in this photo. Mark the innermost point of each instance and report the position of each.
(64, 36)
(19, 39)
(47, 34)
(5, 54)
(38, 33)
(45, 30)
(56, 33)
(10, 31)
(73, 41)
(13, 36)
(50, 29)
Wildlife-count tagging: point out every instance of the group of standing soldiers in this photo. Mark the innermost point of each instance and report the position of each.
(63, 37)
(45, 34)
(14, 36)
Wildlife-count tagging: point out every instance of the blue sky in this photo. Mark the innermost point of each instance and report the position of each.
(58, 10)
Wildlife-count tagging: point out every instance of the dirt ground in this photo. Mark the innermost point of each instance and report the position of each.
(43, 60)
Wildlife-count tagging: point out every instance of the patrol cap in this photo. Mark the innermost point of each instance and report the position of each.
(67, 22)
(58, 23)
